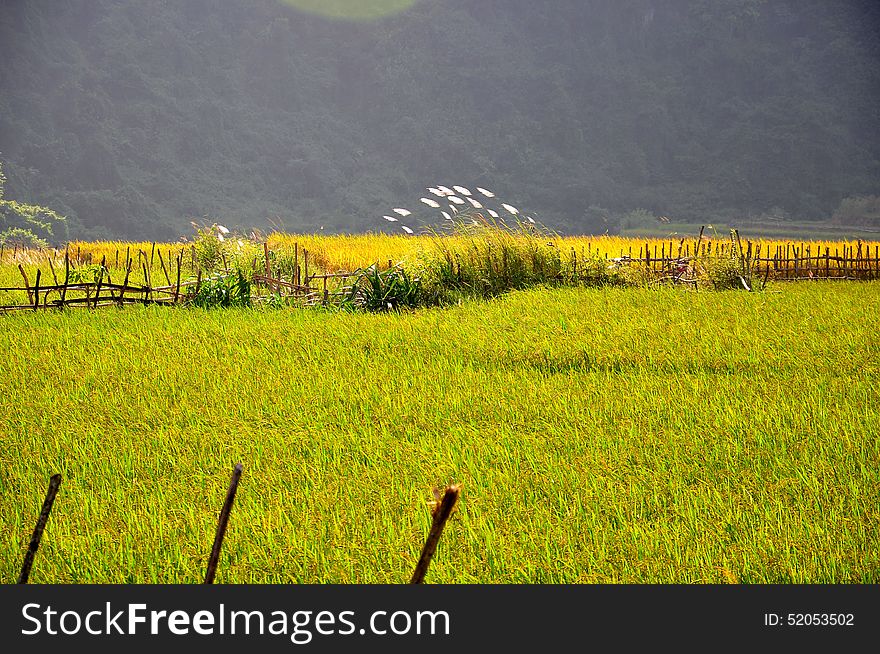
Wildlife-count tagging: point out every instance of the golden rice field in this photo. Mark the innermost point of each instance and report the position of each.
(349, 252)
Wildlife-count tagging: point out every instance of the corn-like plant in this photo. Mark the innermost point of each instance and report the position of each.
(87, 273)
(383, 290)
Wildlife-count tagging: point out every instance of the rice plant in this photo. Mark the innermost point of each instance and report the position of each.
(601, 436)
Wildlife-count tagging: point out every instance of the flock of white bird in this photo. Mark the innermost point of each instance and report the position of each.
(462, 204)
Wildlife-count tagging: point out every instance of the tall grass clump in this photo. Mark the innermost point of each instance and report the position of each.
(217, 249)
(477, 257)
(230, 262)
(730, 271)
(483, 258)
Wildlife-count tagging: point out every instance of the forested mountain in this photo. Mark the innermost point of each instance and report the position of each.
(134, 117)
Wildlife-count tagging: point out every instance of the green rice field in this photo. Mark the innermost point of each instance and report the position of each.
(600, 436)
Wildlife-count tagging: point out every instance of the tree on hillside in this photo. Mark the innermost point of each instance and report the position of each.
(28, 225)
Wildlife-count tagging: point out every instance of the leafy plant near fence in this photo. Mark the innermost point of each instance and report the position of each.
(383, 290)
(87, 273)
(223, 291)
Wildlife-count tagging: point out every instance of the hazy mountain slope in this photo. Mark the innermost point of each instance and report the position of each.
(135, 116)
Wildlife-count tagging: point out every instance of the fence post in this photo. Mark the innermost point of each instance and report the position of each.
(306, 268)
(54, 483)
(440, 514)
(177, 286)
(221, 525)
(100, 279)
(37, 291)
(27, 284)
(66, 276)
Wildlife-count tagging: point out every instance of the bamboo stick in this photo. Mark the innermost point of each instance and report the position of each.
(100, 279)
(162, 262)
(177, 286)
(27, 284)
(52, 270)
(37, 291)
(66, 275)
(54, 484)
(222, 524)
(440, 514)
(146, 277)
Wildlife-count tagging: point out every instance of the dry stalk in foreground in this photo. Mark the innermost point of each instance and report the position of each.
(54, 483)
(441, 512)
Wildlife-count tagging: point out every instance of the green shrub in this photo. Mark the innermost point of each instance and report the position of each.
(245, 256)
(88, 273)
(223, 291)
(208, 245)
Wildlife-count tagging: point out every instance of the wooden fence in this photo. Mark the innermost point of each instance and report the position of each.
(675, 261)
(182, 275)
(788, 262)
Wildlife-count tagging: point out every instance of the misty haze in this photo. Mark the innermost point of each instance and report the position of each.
(132, 118)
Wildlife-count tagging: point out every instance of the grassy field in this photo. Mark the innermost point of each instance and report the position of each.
(614, 435)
